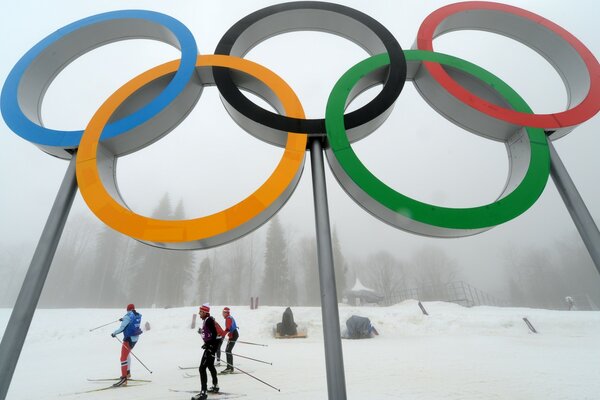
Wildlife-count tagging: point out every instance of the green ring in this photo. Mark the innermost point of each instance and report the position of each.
(487, 216)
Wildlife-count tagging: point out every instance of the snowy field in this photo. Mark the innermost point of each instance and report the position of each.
(454, 353)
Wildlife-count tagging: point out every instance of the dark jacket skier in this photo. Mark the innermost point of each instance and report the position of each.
(209, 334)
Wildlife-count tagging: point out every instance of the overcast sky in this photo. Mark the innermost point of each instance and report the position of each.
(211, 164)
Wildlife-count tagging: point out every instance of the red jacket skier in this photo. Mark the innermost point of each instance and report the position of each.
(232, 334)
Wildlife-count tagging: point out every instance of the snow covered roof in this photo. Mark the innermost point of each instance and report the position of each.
(358, 286)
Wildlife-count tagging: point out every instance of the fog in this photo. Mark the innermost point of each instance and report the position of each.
(208, 163)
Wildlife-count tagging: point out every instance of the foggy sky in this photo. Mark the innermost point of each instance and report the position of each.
(211, 164)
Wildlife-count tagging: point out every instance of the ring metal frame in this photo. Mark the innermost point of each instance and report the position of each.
(489, 116)
(349, 23)
(26, 85)
(96, 163)
(527, 148)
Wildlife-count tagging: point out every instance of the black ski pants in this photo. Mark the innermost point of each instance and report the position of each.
(208, 361)
(229, 348)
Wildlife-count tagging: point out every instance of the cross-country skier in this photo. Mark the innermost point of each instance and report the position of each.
(130, 326)
(232, 335)
(209, 335)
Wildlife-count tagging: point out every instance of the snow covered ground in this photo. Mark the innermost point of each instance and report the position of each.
(454, 353)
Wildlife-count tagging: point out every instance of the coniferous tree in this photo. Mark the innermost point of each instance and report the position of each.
(276, 279)
(110, 258)
(180, 268)
(71, 277)
(152, 269)
(251, 262)
(139, 277)
(309, 264)
(203, 282)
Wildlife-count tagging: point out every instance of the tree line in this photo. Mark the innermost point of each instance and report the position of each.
(95, 266)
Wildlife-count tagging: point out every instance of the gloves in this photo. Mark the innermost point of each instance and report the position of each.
(113, 335)
(204, 346)
(200, 331)
(120, 319)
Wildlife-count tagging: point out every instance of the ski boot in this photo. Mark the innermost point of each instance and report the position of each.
(121, 382)
(128, 374)
(200, 396)
(213, 389)
(227, 370)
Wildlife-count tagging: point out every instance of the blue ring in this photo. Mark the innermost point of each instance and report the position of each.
(28, 130)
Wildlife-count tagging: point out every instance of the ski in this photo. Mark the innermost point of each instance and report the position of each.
(180, 367)
(231, 373)
(190, 375)
(116, 379)
(219, 395)
(103, 388)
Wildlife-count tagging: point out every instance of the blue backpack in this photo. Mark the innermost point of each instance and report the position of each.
(133, 329)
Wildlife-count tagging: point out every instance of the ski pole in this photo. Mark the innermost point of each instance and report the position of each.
(254, 344)
(253, 359)
(252, 376)
(136, 357)
(102, 326)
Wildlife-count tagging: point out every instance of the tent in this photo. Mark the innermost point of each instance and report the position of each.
(360, 294)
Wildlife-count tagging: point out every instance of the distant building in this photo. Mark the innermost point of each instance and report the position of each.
(360, 294)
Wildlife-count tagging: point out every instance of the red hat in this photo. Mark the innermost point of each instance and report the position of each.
(226, 310)
(130, 307)
(205, 308)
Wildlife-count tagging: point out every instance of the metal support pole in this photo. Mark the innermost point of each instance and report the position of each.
(579, 213)
(334, 361)
(22, 314)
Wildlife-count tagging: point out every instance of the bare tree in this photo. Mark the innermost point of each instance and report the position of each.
(385, 274)
(340, 266)
(432, 270)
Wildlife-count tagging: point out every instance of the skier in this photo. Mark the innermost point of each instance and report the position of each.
(130, 326)
(232, 335)
(209, 335)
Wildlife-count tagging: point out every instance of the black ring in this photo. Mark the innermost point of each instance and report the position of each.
(312, 15)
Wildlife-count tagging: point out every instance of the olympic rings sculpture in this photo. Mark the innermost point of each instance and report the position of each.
(155, 102)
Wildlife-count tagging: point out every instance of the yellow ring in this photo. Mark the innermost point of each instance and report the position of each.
(120, 218)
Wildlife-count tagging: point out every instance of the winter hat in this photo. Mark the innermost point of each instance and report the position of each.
(226, 310)
(205, 308)
(130, 307)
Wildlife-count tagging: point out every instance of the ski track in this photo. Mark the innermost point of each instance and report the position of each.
(454, 353)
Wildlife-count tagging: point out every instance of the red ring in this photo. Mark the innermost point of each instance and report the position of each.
(571, 117)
